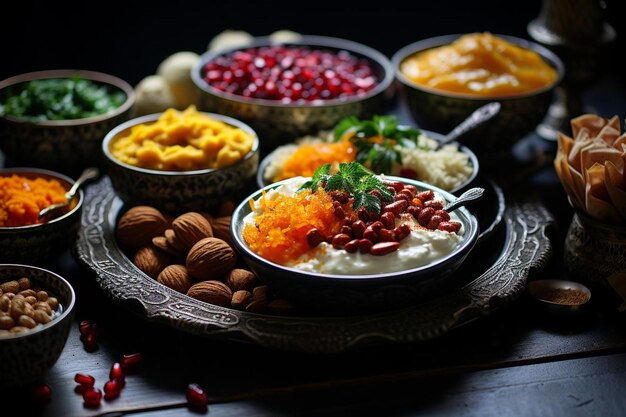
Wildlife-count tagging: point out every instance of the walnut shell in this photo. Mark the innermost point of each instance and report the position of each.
(151, 260)
(139, 225)
(212, 292)
(210, 257)
(190, 228)
(176, 277)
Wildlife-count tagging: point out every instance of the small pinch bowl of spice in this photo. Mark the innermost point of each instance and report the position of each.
(560, 296)
(24, 237)
(179, 161)
(316, 249)
(56, 119)
(36, 312)
(289, 89)
(445, 78)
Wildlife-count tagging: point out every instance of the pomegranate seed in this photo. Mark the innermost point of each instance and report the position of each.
(112, 389)
(92, 397)
(131, 361)
(90, 342)
(79, 389)
(85, 380)
(196, 397)
(302, 73)
(87, 326)
(117, 371)
(41, 393)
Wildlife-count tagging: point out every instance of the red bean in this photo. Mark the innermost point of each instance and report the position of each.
(451, 227)
(425, 195)
(414, 211)
(383, 248)
(339, 213)
(396, 207)
(339, 240)
(365, 245)
(388, 220)
(386, 235)
(370, 234)
(434, 221)
(377, 194)
(402, 231)
(411, 188)
(437, 205)
(443, 214)
(347, 230)
(351, 246)
(314, 237)
(363, 215)
(425, 215)
(358, 227)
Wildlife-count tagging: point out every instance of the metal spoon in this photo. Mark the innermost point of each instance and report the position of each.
(473, 194)
(87, 174)
(478, 117)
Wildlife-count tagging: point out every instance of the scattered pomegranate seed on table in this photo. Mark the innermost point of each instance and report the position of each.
(112, 389)
(85, 380)
(41, 393)
(131, 361)
(92, 397)
(196, 397)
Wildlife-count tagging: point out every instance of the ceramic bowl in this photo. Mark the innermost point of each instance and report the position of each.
(179, 191)
(62, 145)
(41, 243)
(472, 159)
(442, 111)
(356, 294)
(28, 355)
(278, 123)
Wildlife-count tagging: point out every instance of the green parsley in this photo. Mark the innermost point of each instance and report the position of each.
(378, 140)
(356, 180)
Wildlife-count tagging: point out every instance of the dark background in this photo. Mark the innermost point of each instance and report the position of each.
(130, 39)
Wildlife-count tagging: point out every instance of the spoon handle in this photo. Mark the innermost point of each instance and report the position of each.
(87, 174)
(473, 194)
(478, 117)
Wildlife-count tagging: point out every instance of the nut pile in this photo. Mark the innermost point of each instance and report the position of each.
(23, 307)
(193, 254)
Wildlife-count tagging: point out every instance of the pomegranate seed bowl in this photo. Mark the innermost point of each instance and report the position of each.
(176, 177)
(329, 257)
(445, 100)
(36, 313)
(286, 90)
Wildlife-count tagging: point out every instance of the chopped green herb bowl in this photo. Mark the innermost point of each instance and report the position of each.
(56, 119)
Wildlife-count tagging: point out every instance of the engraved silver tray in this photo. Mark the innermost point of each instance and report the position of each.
(493, 275)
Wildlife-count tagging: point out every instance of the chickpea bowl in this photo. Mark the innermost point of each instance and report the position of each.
(36, 312)
(56, 119)
(445, 78)
(286, 90)
(316, 249)
(180, 161)
(23, 237)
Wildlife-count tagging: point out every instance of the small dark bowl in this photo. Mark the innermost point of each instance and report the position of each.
(179, 191)
(357, 294)
(473, 159)
(278, 123)
(543, 292)
(41, 243)
(27, 356)
(67, 146)
(442, 111)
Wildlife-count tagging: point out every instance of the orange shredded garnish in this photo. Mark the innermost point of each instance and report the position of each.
(21, 199)
(280, 231)
(307, 158)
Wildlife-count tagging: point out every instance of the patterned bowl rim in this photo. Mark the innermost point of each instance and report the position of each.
(429, 43)
(38, 172)
(468, 219)
(68, 73)
(111, 135)
(67, 309)
(304, 40)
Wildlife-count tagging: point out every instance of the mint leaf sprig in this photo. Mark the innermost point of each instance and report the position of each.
(356, 180)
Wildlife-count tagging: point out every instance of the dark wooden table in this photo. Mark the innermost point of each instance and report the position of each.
(518, 361)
